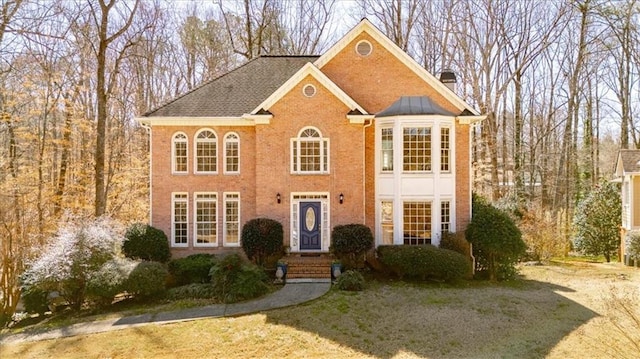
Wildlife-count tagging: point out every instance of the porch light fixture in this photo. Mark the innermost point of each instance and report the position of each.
(341, 198)
(278, 198)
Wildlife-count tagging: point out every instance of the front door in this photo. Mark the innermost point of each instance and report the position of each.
(310, 226)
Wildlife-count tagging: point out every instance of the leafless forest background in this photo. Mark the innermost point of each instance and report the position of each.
(557, 79)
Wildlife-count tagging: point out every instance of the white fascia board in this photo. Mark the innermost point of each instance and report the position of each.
(366, 26)
(306, 70)
(470, 120)
(198, 121)
(359, 119)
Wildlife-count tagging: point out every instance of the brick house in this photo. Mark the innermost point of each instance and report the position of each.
(360, 134)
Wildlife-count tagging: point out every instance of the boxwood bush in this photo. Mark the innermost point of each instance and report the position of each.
(233, 280)
(147, 243)
(146, 280)
(424, 262)
(350, 280)
(192, 269)
(456, 242)
(350, 242)
(261, 238)
(109, 280)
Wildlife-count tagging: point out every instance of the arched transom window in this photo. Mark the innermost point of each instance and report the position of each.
(309, 152)
(179, 153)
(206, 152)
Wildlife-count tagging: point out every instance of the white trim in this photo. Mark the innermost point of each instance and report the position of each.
(367, 27)
(304, 90)
(364, 42)
(244, 120)
(173, 218)
(224, 218)
(173, 152)
(359, 119)
(306, 70)
(470, 120)
(195, 151)
(224, 144)
(213, 200)
(325, 217)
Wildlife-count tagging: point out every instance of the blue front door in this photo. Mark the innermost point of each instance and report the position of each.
(310, 226)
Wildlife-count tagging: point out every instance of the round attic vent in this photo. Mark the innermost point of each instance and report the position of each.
(364, 48)
(309, 90)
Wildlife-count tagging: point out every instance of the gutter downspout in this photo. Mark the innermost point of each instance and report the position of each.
(364, 172)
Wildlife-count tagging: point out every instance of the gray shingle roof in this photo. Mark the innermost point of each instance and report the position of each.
(414, 105)
(630, 160)
(237, 92)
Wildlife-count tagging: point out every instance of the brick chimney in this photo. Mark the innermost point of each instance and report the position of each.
(448, 77)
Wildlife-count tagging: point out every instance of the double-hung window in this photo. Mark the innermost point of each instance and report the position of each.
(417, 223)
(386, 151)
(206, 149)
(231, 219)
(232, 153)
(179, 153)
(310, 152)
(445, 149)
(179, 219)
(205, 221)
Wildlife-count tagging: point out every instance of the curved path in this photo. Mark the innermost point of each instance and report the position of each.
(290, 294)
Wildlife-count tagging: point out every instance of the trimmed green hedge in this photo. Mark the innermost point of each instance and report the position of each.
(261, 238)
(147, 243)
(350, 242)
(192, 269)
(147, 280)
(424, 262)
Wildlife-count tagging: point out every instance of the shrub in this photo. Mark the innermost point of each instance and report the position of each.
(351, 242)
(109, 280)
(424, 262)
(192, 291)
(35, 300)
(497, 241)
(633, 246)
(146, 280)
(147, 243)
(350, 280)
(456, 242)
(541, 235)
(192, 269)
(261, 238)
(73, 255)
(234, 280)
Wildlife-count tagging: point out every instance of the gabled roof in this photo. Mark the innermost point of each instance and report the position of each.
(309, 70)
(237, 92)
(628, 162)
(366, 26)
(413, 105)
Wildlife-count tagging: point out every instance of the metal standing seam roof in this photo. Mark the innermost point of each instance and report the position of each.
(414, 105)
(237, 92)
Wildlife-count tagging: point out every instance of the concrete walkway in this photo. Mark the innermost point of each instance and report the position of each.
(291, 294)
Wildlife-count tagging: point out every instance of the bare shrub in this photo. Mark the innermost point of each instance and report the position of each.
(540, 231)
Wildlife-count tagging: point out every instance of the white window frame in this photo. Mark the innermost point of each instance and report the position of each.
(197, 141)
(174, 163)
(389, 151)
(448, 217)
(296, 147)
(179, 197)
(430, 148)
(388, 222)
(230, 197)
(443, 150)
(430, 222)
(211, 197)
(227, 141)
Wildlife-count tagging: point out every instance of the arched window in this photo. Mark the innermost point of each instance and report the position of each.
(179, 153)
(232, 153)
(309, 152)
(206, 148)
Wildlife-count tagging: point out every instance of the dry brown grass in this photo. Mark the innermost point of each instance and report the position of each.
(557, 311)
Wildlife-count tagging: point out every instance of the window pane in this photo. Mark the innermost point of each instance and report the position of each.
(232, 155)
(386, 214)
(417, 223)
(206, 214)
(180, 222)
(387, 149)
(417, 149)
(232, 219)
(445, 216)
(206, 152)
(444, 150)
